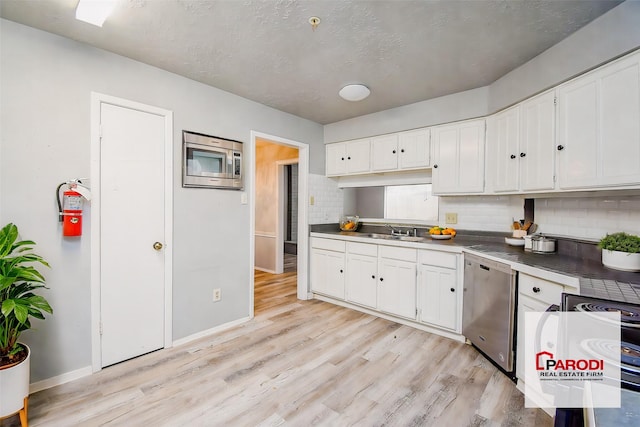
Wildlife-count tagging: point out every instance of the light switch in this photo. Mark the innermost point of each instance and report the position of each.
(312, 200)
(243, 197)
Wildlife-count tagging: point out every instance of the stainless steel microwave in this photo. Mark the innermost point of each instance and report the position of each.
(211, 162)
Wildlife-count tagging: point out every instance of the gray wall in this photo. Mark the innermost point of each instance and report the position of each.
(609, 36)
(45, 87)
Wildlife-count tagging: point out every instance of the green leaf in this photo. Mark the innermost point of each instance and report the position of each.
(7, 307)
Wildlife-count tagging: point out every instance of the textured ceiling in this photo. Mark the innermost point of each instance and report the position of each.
(404, 51)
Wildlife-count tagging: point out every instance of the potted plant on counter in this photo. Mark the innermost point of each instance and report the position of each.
(621, 251)
(19, 282)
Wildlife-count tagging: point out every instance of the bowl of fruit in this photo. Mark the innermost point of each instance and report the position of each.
(441, 233)
(349, 223)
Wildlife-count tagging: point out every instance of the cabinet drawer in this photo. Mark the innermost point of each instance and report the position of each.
(403, 254)
(362, 249)
(437, 259)
(540, 289)
(328, 244)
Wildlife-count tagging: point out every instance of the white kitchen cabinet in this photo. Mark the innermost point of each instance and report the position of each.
(401, 151)
(327, 267)
(503, 150)
(534, 295)
(537, 142)
(362, 274)
(438, 289)
(415, 149)
(397, 281)
(521, 146)
(384, 153)
(599, 127)
(351, 157)
(458, 164)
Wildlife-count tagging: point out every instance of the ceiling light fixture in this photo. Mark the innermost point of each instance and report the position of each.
(94, 12)
(355, 92)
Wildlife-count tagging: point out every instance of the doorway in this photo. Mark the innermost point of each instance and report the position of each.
(131, 180)
(259, 236)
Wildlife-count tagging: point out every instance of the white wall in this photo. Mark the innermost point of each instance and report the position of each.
(45, 89)
(328, 200)
(486, 213)
(450, 108)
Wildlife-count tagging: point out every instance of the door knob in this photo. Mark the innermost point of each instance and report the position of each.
(157, 246)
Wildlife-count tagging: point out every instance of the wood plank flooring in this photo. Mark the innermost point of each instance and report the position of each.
(297, 363)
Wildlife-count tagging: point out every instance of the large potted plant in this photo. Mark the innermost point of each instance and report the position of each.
(19, 282)
(621, 251)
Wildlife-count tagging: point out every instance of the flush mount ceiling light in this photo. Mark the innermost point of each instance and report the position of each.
(355, 92)
(95, 12)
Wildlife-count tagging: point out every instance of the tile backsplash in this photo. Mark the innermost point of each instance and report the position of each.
(487, 213)
(588, 217)
(328, 200)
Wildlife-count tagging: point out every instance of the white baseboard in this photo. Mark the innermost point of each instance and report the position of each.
(211, 331)
(60, 379)
(266, 270)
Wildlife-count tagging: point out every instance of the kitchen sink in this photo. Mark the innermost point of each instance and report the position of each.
(395, 237)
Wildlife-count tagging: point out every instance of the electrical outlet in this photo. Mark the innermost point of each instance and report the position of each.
(451, 218)
(312, 200)
(216, 295)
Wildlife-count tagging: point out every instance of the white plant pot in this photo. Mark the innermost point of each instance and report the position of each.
(14, 386)
(621, 260)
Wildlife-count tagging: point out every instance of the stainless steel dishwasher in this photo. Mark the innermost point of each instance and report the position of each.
(489, 303)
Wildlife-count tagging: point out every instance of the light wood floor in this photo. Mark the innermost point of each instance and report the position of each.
(297, 363)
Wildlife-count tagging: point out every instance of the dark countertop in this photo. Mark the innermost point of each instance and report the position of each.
(573, 258)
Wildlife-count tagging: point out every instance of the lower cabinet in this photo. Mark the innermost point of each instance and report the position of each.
(397, 281)
(534, 295)
(438, 290)
(362, 274)
(414, 284)
(327, 267)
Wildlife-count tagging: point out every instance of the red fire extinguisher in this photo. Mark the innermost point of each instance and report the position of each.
(70, 209)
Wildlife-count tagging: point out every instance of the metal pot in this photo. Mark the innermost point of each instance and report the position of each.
(543, 245)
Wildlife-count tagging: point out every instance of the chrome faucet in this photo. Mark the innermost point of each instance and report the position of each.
(395, 232)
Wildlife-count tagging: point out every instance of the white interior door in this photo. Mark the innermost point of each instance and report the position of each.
(132, 222)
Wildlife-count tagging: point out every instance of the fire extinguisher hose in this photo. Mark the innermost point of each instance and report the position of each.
(60, 215)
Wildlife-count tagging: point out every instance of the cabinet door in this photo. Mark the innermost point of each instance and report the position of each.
(362, 281)
(397, 287)
(537, 143)
(415, 149)
(384, 152)
(358, 156)
(620, 121)
(471, 157)
(438, 296)
(445, 164)
(599, 127)
(525, 305)
(336, 156)
(578, 134)
(503, 150)
(327, 272)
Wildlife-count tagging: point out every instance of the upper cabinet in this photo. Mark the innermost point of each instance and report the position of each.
(599, 127)
(385, 153)
(521, 146)
(351, 157)
(458, 157)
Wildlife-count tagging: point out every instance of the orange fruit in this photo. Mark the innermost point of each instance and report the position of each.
(436, 232)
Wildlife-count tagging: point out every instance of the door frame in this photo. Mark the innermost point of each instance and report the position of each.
(303, 212)
(97, 99)
(282, 207)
